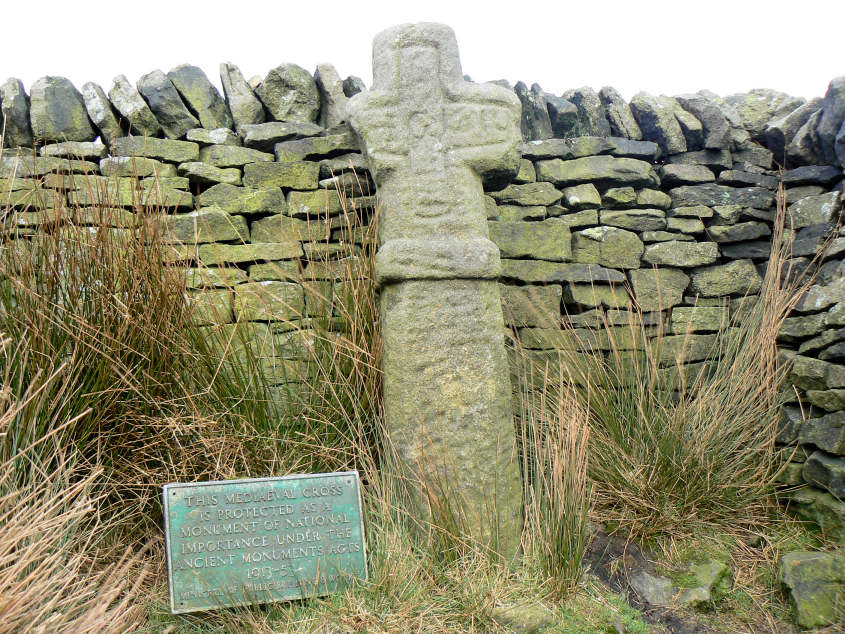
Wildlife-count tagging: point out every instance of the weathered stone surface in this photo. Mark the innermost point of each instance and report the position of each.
(563, 116)
(211, 254)
(736, 178)
(444, 367)
(711, 194)
(84, 150)
(839, 145)
(269, 301)
(608, 246)
(756, 108)
(811, 175)
(132, 108)
(738, 232)
(585, 218)
(694, 211)
(591, 117)
(210, 307)
(685, 225)
(57, 111)
(217, 136)
(14, 105)
(523, 619)
(161, 149)
(511, 213)
(283, 228)
(134, 166)
(166, 104)
(332, 97)
(826, 432)
(546, 240)
(659, 289)
(831, 119)
(780, 132)
(232, 156)
(653, 198)
(131, 194)
(205, 225)
(599, 170)
(526, 173)
(535, 123)
(816, 585)
(101, 112)
(714, 159)
(352, 85)
(619, 115)
(201, 96)
(619, 198)
(316, 147)
(681, 254)
(690, 125)
(245, 107)
(664, 236)
(734, 278)
(674, 174)
(625, 148)
(265, 136)
(205, 174)
(533, 271)
(531, 305)
(314, 203)
(634, 219)
(754, 154)
(293, 175)
(529, 194)
(244, 200)
(826, 471)
(815, 210)
(593, 295)
(717, 130)
(290, 94)
(804, 148)
(584, 196)
(566, 148)
(698, 319)
(656, 118)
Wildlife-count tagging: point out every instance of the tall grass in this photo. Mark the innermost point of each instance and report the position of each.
(677, 446)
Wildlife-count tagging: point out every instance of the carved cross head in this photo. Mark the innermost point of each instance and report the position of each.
(422, 117)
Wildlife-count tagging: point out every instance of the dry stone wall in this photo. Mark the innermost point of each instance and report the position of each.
(666, 200)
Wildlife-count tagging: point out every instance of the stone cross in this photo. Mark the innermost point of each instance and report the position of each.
(430, 137)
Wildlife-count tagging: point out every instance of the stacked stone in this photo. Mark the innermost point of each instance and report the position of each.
(671, 201)
(668, 202)
(248, 186)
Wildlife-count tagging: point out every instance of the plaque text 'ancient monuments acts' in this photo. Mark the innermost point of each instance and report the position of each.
(260, 540)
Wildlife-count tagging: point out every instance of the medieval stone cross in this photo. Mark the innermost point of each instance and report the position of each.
(430, 137)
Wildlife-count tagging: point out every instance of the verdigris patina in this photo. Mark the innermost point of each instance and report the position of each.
(431, 138)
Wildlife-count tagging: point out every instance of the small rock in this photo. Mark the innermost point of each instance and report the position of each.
(804, 148)
(535, 122)
(681, 254)
(811, 175)
(208, 174)
(290, 93)
(714, 159)
(619, 115)
(101, 112)
(245, 107)
(57, 111)
(332, 97)
(584, 196)
(218, 136)
(201, 96)
(85, 150)
(827, 472)
(739, 277)
(831, 119)
(166, 104)
(780, 132)
(591, 115)
(816, 585)
(563, 116)
(523, 619)
(674, 174)
(352, 85)
(656, 118)
(132, 107)
(14, 103)
(717, 130)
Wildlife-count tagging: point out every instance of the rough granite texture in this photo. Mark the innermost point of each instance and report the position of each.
(446, 385)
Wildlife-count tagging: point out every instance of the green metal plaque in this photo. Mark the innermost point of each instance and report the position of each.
(238, 542)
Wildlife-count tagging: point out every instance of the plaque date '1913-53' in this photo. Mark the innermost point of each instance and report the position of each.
(239, 542)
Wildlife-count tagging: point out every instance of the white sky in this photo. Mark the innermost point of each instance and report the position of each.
(664, 47)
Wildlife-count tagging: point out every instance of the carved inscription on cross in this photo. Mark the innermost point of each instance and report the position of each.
(430, 137)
